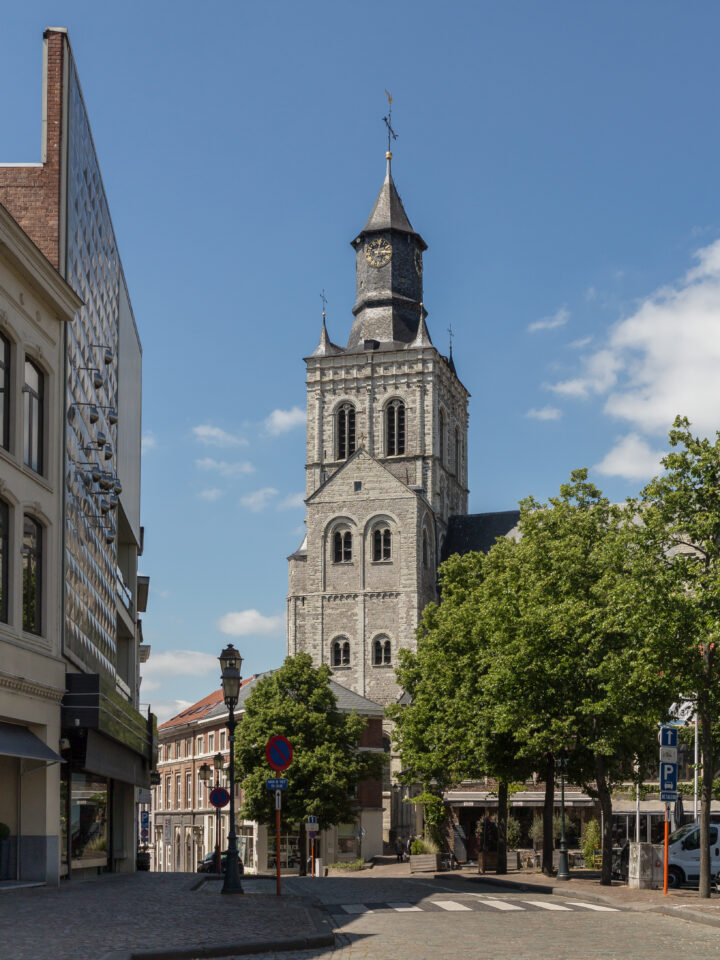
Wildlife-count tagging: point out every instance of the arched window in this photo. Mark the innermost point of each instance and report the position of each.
(457, 452)
(426, 550)
(4, 392)
(4, 559)
(345, 431)
(382, 544)
(33, 391)
(342, 546)
(395, 428)
(32, 575)
(381, 652)
(441, 438)
(340, 653)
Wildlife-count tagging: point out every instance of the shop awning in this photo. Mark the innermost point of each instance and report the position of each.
(18, 741)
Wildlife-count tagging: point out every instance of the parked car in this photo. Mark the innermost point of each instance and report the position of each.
(684, 854)
(208, 864)
(621, 862)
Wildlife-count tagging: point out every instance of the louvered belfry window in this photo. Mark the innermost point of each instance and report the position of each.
(345, 431)
(395, 429)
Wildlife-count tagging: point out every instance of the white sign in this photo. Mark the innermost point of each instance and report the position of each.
(668, 754)
(278, 799)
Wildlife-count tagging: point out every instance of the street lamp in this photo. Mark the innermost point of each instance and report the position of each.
(230, 664)
(563, 866)
(205, 774)
(218, 762)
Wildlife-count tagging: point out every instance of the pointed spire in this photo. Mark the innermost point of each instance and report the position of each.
(422, 337)
(388, 212)
(325, 347)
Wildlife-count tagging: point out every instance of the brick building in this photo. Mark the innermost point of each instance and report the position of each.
(184, 824)
(61, 204)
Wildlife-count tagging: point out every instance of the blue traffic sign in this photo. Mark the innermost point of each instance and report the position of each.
(668, 737)
(144, 818)
(279, 753)
(144, 833)
(312, 819)
(668, 796)
(668, 776)
(276, 783)
(219, 797)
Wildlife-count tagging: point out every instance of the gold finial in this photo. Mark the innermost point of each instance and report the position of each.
(324, 303)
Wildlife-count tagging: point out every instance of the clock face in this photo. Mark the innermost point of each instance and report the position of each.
(378, 252)
(418, 263)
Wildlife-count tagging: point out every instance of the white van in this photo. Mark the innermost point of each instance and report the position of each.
(684, 854)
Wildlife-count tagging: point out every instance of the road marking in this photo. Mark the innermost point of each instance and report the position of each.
(592, 906)
(355, 908)
(405, 907)
(545, 905)
(500, 904)
(450, 905)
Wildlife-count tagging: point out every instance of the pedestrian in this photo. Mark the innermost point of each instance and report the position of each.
(410, 839)
(399, 848)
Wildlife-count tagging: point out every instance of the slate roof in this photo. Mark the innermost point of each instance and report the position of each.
(478, 531)
(388, 212)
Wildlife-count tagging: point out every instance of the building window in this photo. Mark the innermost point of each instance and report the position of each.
(4, 559)
(340, 653)
(395, 429)
(425, 550)
(200, 793)
(177, 791)
(188, 790)
(381, 652)
(382, 544)
(222, 739)
(441, 438)
(158, 796)
(168, 793)
(178, 749)
(199, 745)
(4, 392)
(211, 742)
(345, 431)
(188, 747)
(33, 390)
(32, 575)
(342, 546)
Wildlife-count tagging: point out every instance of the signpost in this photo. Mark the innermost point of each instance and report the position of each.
(312, 829)
(279, 754)
(668, 738)
(219, 797)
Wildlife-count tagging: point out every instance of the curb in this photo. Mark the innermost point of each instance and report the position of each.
(309, 942)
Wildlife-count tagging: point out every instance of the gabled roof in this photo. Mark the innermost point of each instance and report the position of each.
(358, 453)
(200, 710)
(478, 531)
(388, 212)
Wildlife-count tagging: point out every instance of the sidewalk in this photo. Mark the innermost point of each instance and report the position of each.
(153, 916)
(685, 904)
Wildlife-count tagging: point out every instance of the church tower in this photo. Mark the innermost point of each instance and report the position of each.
(386, 466)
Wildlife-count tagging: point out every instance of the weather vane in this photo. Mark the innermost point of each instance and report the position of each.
(388, 123)
(450, 333)
(324, 301)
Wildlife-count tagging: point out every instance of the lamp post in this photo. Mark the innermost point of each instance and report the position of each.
(230, 663)
(217, 765)
(563, 866)
(204, 774)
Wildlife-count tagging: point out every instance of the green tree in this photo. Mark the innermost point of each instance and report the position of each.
(680, 589)
(297, 702)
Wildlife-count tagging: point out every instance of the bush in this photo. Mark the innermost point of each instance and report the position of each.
(536, 831)
(418, 847)
(513, 833)
(347, 865)
(590, 842)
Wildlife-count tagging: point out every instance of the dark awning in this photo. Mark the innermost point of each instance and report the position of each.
(18, 741)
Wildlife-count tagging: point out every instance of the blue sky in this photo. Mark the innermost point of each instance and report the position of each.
(560, 159)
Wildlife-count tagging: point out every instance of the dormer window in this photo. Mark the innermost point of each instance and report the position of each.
(395, 429)
(345, 431)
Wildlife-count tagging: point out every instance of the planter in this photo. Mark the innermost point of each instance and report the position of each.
(424, 863)
(487, 860)
(142, 860)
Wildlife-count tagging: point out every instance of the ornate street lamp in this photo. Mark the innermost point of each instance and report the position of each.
(563, 865)
(230, 664)
(205, 774)
(218, 763)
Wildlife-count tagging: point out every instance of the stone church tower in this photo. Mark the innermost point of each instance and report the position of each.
(386, 467)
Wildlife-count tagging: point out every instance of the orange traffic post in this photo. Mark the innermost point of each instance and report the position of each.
(277, 845)
(667, 837)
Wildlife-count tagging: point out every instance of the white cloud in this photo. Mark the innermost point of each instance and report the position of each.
(663, 360)
(224, 468)
(213, 493)
(167, 709)
(243, 623)
(258, 500)
(632, 458)
(216, 437)
(292, 501)
(544, 413)
(148, 442)
(175, 663)
(558, 319)
(579, 344)
(280, 421)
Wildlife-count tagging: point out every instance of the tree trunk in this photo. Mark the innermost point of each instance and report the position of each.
(502, 827)
(705, 724)
(302, 843)
(606, 807)
(548, 812)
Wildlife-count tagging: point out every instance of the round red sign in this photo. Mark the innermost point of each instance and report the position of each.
(279, 753)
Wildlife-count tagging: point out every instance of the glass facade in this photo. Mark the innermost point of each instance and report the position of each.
(93, 269)
(87, 819)
(32, 575)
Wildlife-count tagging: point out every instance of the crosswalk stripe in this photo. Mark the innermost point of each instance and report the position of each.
(592, 906)
(405, 907)
(500, 904)
(450, 905)
(545, 905)
(354, 907)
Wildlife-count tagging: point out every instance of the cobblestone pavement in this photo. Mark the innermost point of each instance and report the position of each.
(142, 911)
